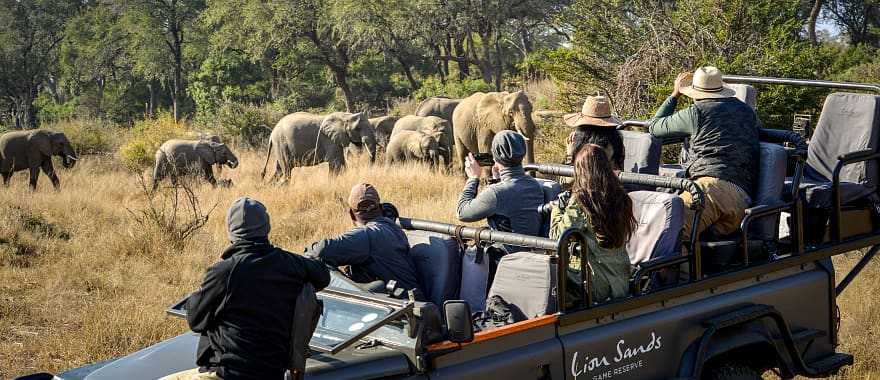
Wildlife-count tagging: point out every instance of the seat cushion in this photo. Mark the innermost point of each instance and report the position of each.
(816, 193)
(642, 152)
(770, 185)
(660, 218)
(527, 281)
(438, 262)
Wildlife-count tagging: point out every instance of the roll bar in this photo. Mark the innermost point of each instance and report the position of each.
(479, 234)
(801, 82)
(674, 183)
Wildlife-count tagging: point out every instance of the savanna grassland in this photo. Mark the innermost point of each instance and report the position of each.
(81, 280)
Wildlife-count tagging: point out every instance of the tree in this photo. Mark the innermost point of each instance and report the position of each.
(815, 10)
(30, 33)
(158, 32)
(858, 18)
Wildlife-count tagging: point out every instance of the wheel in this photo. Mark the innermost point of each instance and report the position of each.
(732, 371)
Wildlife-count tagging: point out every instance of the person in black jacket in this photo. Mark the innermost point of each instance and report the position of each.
(375, 250)
(245, 306)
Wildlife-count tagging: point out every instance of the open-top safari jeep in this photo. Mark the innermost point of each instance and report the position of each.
(756, 301)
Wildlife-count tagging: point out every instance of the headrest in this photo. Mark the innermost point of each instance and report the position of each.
(642, 152)
(660, 219)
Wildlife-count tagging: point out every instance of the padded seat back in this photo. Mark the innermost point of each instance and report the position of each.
(769, 190)
(848, 123)
(527, 281)
(660, 217)
(745, 93)
(551, 192)
(438, 263)
(642, 152)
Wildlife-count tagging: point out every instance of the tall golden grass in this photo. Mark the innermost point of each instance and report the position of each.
(81, 281)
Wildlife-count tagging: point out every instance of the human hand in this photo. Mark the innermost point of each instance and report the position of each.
(496, 171)
(472, 167)
(681, 80)
(570, 138)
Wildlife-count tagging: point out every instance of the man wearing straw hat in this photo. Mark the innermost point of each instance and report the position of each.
(723, 151)
(595, 125)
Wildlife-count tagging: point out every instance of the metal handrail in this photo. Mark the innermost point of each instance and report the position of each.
(801, 82)
(479, 234)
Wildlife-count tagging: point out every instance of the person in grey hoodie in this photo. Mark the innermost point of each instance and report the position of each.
(510, 204)
(245, 307)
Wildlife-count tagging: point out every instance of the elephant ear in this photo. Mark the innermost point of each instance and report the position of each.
(334, 127)
(489, 112)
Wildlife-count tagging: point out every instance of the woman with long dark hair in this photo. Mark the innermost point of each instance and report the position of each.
(601, 208)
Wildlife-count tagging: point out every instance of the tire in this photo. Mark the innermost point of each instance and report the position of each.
(732, 371)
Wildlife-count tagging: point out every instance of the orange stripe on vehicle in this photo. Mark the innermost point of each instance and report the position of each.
(499, 332)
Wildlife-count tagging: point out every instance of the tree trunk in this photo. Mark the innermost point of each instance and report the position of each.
(178, 71)
(151, 107)
(811, 21)
(464, 69)
(407, 71)
(499, 63)
(340, 75)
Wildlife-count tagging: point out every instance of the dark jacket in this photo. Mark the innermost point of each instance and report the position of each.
(245, 306)
(510, 205)
(378, 250)
(723, 138)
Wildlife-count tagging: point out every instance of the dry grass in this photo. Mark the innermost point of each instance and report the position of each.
(80, 281)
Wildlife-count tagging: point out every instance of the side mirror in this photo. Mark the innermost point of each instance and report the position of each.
(458, 321)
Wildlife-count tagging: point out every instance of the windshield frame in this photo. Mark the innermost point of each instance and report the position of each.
(397, 310)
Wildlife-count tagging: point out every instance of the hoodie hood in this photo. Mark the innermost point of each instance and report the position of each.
(247, 220)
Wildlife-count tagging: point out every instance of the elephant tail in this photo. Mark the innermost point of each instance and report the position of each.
(268, 155)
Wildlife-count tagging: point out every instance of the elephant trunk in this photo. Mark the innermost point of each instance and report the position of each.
(525, 126)
(232, 163)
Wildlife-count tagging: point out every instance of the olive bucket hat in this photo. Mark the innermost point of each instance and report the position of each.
(596, 112)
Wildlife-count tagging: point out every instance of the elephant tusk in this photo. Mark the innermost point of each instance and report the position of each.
(72, 158)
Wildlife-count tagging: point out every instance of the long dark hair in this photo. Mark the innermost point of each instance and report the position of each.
(601, 136)
(599, 191)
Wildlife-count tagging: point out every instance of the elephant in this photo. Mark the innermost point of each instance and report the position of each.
(304, 139)
(177, 157)
(426, 124)
(33, 150)
(480, 116)
(438, 106)
(382, 127)
(421, 146)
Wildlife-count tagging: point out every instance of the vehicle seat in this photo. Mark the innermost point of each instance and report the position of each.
(642, 152)
(437, 258)
(551, 192)
(527, 281)
(660, 217)
(848, 123)
(770, 183)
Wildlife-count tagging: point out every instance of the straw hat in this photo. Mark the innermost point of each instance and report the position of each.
(596, 111)
(707, 84)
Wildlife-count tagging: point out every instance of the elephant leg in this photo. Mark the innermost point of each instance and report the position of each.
(209, 174)
(461, 151)
(6, 177)
(50, 172)
(34, 172)
(484, 145)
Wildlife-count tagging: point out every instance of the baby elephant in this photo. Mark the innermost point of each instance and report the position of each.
(179, 157)
(421, 146)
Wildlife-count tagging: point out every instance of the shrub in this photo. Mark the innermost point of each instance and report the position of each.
(243, 123)
(146, 136)
(432, 86)
(89, 136)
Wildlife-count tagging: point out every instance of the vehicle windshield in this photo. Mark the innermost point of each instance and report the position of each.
(344, 318)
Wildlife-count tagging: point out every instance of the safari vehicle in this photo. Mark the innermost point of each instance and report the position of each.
(756, 301)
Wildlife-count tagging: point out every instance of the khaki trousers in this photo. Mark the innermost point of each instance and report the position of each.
(193, 374)
(725, 207)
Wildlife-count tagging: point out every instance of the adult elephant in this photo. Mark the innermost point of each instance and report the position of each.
(382, 127)
(33, 150)
(304, 139)
(480, 116)
(438, 106)
(180, 157)
(430, 124)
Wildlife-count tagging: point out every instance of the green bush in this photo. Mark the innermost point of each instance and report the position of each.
(89, 136)
(244, 124)
(432, 86)
(146, 137)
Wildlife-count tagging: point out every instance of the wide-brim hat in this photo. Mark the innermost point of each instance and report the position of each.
(596, 111)
(708, 84)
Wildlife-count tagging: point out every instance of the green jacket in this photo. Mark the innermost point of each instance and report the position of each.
(610, 267)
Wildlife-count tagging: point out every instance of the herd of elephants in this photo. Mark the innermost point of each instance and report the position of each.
(440, 127)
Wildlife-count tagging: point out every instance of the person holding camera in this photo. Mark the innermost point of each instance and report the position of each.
(511, 203)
